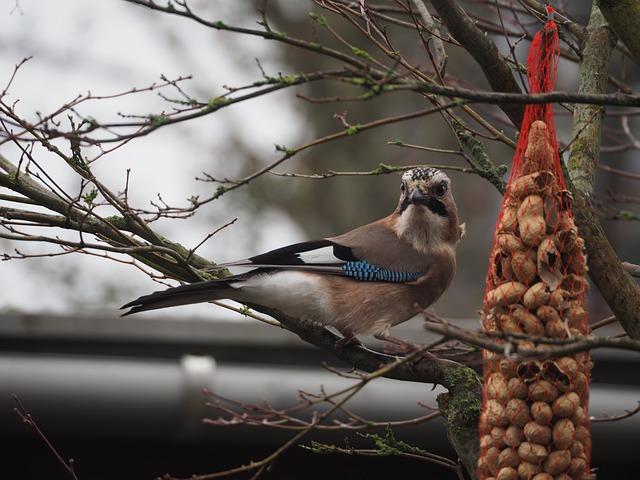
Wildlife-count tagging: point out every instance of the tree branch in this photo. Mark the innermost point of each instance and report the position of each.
(484, 52)
(503, 343)
(167, 257)
(614, 282)
(460, 406)
(623, 19)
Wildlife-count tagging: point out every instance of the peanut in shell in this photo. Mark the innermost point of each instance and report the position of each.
(505, 294)
(536, 295)
(509, 221)
(536, 433)
(517, 412)
(524, 185)
(539, 154)
(509, 243)
(513, 436)
(523, 266)
(509, 457)
(543, 476)
(543, 391)
(557, 462)
(527, 470)
(507, 473)
(541, 412)
(496, 387)
(517, 388)
(578, 467)
(566, 404)
(563, 432)
(532, 452)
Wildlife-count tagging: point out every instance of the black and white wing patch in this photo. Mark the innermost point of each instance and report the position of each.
(325, 256)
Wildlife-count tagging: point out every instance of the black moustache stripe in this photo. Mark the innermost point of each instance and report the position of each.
(405, 203)
(436, 206)
(433, 204)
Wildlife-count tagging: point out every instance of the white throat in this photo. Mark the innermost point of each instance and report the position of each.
(422, 228)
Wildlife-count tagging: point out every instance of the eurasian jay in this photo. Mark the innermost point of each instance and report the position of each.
(362, 282)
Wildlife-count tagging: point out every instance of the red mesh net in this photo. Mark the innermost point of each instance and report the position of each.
(534, 423)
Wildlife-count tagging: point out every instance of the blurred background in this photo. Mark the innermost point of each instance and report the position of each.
(60, 334)
(82, 52)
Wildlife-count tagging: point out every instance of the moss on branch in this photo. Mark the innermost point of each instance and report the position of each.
(607, 272)
(623, 17)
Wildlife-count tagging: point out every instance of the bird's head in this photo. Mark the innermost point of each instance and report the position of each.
(427, 212)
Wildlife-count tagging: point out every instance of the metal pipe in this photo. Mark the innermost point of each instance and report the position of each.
(132, 398)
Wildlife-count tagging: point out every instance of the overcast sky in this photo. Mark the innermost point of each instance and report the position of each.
(108, 47)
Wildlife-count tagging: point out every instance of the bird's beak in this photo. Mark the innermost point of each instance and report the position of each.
(418, 197)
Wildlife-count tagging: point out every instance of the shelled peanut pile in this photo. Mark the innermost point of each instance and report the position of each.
(534, 422)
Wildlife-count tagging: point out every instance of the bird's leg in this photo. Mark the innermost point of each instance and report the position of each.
(348, 339)
(399, 346)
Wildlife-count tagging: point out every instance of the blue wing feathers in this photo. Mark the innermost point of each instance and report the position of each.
(329, 257)
(367, 272)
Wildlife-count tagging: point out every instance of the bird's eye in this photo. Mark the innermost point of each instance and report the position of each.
(441, 189)
(402, 188)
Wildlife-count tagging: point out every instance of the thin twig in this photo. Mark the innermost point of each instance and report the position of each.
(27, 419)
(616, 418)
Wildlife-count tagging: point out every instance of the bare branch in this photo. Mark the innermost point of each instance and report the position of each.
(28, 419)
(616, 418)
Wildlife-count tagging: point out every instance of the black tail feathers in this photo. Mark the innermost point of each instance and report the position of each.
(182, 295)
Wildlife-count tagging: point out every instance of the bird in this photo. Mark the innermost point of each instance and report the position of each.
(362, 282)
